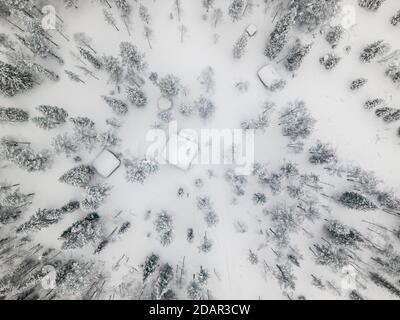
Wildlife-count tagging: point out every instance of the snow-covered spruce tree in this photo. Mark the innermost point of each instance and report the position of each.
(210, 216)
(13, 115)
(138, 170)
(374, 50)
(125, 10)
(206, 79)
(354, 200)
(91, 58)
(44, 218)
(13, 81)
(113, 66)
(36, 40)
(334, 257)
(162, 284)
(330, 61)
(85, 132)
(94, 197)
(342, 234)
(73, 76)
(206, 244)
(136, 96)
(25, 63)
(393, 72)
(296, 121)
(374, 103)
(259, 198)
(285, 276)
(169, 86)
(278, 37)
(296, 55)
(190, 235)
(395, 20)
(150, 265)
(23, 156)
(71, 4)
(372, 5)
(144, 14)
(164, 226)
(236, 9)
(384, 283)
(108, 138)
(204, 107)
(208, 4)
(322, 153)
(358, 83)
(388, 114)
(312, 14)
(83, 232)
(334, 35)
(64, 144)
(117, 105)
(12, 203)
(389, 200)
(240, 45)
(84, 41)
(261, 121)
(109, 18)
(79, 176)
(75, 278)
(52, 117)
(131, 57)
(237, 182)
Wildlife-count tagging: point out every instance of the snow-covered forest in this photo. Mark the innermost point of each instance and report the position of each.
(86, 212)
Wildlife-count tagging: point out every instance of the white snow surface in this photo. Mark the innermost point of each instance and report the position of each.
(358, 136)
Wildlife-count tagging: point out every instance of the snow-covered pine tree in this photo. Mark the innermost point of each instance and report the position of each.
(165, 276)
(322, 153)
(395, 20)
(79, 176)
(164, 226)
(12, 203)
(312, 14)
(330, 61)
(83, 232)
(334, 257)
(88, 56)
(144, 14)
(240, 45)
(342, 234)
(109, 18)
(136, 96)
(204, 107)
(393, 72)
(131, 57)
(169, 86)
(296, 121)
(138, 170)
(85, 132)
(278, 37)
(236, 9)
(94, 197)
(354, 200)
(372, 5)
(334, 35)
(51, 118)
(388, 114)
(113, 66)
(13, 115)
(358, 83)
(13, 81)
(117, 105)
(150, 265)
(83, 40)
(63, 143)
(374, 50)
(44, 218)
(296, 55)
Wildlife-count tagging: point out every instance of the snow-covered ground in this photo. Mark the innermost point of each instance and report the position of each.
(359, 137)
